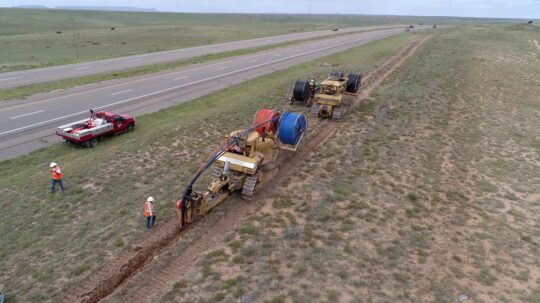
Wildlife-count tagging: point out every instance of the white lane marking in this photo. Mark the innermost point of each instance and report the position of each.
(5, 79)
(33, 113)
(180, 78)
(82, 67)
(254, 60)
(223, 67)
(121, 92)
(135, 60)
(194, 82)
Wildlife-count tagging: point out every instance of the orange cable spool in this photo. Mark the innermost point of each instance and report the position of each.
(270, 117)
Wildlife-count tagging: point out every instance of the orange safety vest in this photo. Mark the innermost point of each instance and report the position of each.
(56, 173)
(179, 211)
(148, 209)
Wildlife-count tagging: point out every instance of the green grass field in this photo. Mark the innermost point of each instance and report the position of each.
(29, 38)
(427, 192)
(66, 236)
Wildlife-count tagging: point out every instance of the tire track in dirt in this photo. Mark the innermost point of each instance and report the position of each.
(132, 264)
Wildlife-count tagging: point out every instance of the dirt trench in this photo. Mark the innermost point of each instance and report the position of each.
(112, 275)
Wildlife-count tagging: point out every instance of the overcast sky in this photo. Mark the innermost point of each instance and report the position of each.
(466, 8)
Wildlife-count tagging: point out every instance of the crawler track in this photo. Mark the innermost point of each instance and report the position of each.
(133, 264)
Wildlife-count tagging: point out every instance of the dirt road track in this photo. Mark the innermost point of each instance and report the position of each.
(133, 264)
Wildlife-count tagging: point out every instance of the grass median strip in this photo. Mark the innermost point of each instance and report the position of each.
(65, 237)
(28, 90)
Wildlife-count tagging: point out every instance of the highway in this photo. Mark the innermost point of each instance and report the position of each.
(48, 74)
(26, 125)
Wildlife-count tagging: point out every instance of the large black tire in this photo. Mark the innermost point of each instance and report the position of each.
(92, 143)
(355, 81)
(301, 91)
(130, 128)
(336, 74)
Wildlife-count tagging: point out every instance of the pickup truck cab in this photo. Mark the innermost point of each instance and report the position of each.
(87, 132)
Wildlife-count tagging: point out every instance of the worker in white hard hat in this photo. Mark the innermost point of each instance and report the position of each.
(150, 212)
(56, 177)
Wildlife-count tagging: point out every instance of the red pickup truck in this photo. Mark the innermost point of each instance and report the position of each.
(87, 132)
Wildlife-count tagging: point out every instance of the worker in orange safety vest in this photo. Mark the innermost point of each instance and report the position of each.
(56, 177)
(179, 211)
(149, 212)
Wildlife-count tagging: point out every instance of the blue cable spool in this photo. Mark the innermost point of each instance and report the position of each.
(291, 127)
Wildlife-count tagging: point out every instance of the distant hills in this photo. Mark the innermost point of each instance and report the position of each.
(93, 8)
(32, 6)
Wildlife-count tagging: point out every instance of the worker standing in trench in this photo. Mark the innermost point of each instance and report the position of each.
(56, 177)
(149, 213)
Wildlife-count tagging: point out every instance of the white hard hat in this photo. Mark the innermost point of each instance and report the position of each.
(150, 199)
(53, 164)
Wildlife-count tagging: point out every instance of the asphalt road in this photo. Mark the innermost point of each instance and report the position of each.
(47, 74)
(26, 125)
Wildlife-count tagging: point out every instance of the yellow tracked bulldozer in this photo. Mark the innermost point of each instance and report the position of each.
(333, 97)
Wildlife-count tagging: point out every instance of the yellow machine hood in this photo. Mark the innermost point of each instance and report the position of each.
(240, 163)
